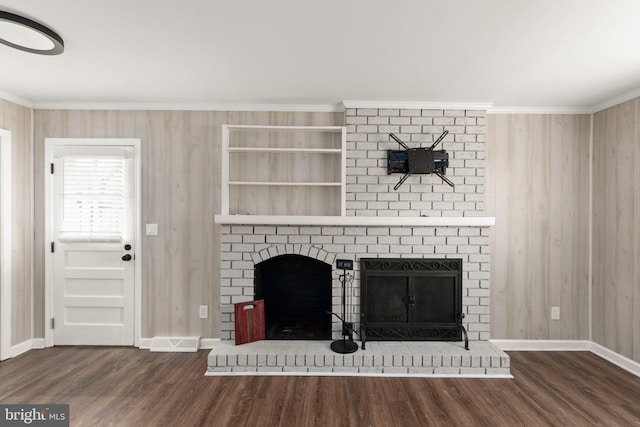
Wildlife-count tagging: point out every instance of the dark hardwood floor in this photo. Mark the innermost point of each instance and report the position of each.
(130, 387)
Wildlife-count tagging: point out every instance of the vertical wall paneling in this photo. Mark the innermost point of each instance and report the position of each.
(181, 160)
(635, 283)
(5, 243)
(538, 190)
(17, 119)
(616, 229)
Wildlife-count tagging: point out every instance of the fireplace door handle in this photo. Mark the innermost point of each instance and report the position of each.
(412, 299)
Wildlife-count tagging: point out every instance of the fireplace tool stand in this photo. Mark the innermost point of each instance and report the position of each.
(346, 344)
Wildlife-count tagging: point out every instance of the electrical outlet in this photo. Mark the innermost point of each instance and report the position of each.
(555, 313)
(204, 311)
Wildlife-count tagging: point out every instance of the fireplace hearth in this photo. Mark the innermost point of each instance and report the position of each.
(411, 300)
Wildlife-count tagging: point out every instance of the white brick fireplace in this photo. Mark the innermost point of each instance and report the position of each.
(424, 218)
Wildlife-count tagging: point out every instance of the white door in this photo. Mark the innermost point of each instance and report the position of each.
(93, 247)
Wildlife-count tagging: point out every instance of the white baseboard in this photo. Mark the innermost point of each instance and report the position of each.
(38, 343)
(205, 343)
(144, 343)
(24, 346)
(542, 345)
(617, 359)
(505, 345)
(209, 343)
(175, 344)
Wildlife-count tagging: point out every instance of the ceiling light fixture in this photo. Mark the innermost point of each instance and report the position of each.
(24, 34)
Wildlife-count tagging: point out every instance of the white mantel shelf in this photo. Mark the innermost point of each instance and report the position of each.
(356, 221)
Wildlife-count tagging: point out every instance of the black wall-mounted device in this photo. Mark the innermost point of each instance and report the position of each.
(418, 160)
(344, 264)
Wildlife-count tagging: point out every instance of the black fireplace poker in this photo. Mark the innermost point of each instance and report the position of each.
(345, 345)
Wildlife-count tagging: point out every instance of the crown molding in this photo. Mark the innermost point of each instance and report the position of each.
(417, 105)
(615, 101)
(612, 102)
(539, 110)
(15, 99)
(320, 108)
(307, 108)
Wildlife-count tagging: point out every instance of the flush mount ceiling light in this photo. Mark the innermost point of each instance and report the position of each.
(24, 34)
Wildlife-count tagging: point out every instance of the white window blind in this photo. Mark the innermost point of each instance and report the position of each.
(95, 198)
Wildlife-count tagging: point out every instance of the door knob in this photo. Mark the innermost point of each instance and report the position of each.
(126, 257)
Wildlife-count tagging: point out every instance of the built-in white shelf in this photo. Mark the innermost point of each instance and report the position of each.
(368, 221)
(284, 150)
(287, 184)
(300, 170)
(286, 128)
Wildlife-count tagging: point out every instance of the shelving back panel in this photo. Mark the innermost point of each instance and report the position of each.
(284, 200)
(284, 167)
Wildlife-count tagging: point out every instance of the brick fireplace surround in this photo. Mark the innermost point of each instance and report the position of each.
(424, 218)
(250, 245)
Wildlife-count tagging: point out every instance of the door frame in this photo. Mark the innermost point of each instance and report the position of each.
(6, 181)
(49, 145)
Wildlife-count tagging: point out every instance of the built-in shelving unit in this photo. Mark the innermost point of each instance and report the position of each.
(283, 170)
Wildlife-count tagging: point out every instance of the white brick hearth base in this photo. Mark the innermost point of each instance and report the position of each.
(429, 359)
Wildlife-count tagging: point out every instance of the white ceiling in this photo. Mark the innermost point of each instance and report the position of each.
(527, 53)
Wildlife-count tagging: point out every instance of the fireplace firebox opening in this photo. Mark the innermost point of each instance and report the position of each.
(297, 297)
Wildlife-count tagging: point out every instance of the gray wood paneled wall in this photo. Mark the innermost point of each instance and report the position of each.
(181, 155)
(17, 119)
(616, 226)
(538, 190)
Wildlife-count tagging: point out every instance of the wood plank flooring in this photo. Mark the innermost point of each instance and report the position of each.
(131, 387)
